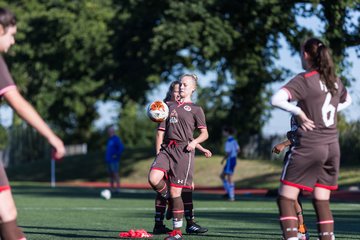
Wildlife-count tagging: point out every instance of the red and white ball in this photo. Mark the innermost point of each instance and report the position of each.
(157, 111)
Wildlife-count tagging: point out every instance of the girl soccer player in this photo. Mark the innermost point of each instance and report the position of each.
(172, 95)
(8, 226)
(291, 142)
(176, 157)
(314, 162)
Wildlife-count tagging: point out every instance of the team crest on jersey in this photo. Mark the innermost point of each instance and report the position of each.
(173, 117)
(187, 108)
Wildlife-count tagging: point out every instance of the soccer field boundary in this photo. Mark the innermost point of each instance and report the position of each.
(148, 209)
(129, 209)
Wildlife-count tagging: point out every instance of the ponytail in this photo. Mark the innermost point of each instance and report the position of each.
(321, 60)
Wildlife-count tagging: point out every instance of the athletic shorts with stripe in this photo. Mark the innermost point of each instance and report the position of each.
(4, 183)
(307, 167)
(177, 163)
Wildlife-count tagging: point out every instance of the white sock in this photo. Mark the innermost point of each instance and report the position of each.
(226, 186)
(232, 190)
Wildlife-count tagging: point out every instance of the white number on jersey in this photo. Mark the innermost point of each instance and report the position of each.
(328, 111)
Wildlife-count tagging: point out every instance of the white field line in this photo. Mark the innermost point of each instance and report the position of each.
(138, 209)
(212, 209)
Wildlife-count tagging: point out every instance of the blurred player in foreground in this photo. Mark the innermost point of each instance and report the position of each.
(314, 162)
(8, 214)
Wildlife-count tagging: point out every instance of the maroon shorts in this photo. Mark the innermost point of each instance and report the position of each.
(4, 183)
(177, 163)
(307, 167)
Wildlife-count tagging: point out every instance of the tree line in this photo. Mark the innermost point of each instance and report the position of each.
(71, 54)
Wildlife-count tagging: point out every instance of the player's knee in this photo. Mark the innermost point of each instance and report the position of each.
(9, 215)
(153, 179)
(175, 192)
(155, 176)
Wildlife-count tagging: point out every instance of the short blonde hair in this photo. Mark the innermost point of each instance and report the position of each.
(192, 75)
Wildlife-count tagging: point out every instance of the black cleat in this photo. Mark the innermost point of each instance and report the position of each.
(161, 229)
(195, 229)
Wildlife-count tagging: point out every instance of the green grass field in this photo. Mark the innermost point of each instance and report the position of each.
(80, 213)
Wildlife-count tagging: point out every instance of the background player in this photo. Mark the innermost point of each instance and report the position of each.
(176, 157)
(314, 163)
(114, 150)
(231, 151)
(8, 214)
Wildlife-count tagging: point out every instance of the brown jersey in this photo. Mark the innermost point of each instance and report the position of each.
(174, 159)
(318, 104)
(183, 119)
(4, 183)
(6, 81)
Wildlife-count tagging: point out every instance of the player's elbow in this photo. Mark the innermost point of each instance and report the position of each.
(273, 101)
(205, 135)
(279, 98)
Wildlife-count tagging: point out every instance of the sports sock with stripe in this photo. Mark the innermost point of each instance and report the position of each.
(160, 206)
(161, 188)
(178, 212)
(288, 218)
(325, 220)
(11, 231)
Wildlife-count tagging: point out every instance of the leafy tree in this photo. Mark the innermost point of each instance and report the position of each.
(60, 60)
(72, 53)
(236, 40)
(341, 30)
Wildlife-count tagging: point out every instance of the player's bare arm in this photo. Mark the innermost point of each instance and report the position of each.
(278, 148)
(206, 152)
(201, 138)
(159, 140)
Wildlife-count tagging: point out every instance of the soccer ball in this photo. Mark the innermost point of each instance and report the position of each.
(157, 111)
(106, 194)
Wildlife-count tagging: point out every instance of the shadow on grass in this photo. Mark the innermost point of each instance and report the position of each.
(70, 235)
(258, 181)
